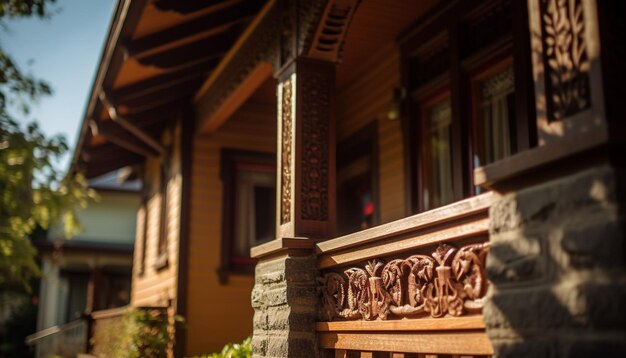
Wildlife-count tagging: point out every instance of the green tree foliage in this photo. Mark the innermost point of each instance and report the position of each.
(33, 191)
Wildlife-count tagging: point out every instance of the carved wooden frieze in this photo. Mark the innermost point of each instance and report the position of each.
(565, 58)
(316, 87)
(450, 281)
(286, 152)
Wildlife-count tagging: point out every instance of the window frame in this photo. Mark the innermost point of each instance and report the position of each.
(364, 141)
(162, 259)
(230, 263)
(446, 29)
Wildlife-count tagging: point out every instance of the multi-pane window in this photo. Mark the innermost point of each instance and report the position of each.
(495, 123)
(466, 108)
(249, 207)
(357, 173)
(254, 208)
(438, 189)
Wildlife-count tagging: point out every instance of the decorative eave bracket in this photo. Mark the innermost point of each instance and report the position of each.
(330, 35)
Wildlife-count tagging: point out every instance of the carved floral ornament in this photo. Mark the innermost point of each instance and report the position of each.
(286, 134)
(449, 282)
(566, 57)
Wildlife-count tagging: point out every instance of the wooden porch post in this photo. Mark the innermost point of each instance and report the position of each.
(306, 150)
(93, 290)
(284, 297)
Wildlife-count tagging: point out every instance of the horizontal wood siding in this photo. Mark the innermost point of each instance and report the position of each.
(365, 98)
(218, 314)
(157, 287)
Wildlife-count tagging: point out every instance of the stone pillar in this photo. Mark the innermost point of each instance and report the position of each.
(284, 299)
(557, 268)
(557, 262)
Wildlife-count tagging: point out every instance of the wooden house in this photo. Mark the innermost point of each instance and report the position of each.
(365, 156)
(87, 272)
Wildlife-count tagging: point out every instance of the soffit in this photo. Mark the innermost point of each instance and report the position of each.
(164, 52)
(376, 23)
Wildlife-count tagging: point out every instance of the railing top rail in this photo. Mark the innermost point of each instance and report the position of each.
(467, 218)
(33, 338)
(454, 211)
(110, 313)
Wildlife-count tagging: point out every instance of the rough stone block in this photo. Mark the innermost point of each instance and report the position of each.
(583, 347)
(515, 257)
(524, 349)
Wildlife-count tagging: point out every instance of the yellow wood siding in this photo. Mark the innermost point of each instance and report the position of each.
(366, 98)
(157, 287)
(217, 313)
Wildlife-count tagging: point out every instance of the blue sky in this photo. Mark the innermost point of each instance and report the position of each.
(65, 51)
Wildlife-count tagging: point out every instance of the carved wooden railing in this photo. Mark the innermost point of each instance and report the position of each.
(411, 287)
(66, 340)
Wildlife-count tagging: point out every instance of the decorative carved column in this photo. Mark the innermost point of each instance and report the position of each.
(306, 150)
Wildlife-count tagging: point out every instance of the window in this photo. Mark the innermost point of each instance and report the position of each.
(494, 123)
(162, 260)
(437, 155)
(467, 73)
(145, 200)
(249, 207)
(72, 296)
(357, 181)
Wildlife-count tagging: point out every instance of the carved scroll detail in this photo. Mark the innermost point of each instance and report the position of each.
(450, 282)
(565, 57)
(315, 117)
(286, 145)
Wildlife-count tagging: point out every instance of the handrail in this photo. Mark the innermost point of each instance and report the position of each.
(109, 313)
(465, 218)
(33, 338)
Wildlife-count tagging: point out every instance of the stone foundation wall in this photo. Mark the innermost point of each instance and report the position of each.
(285, 308)
(557, 268)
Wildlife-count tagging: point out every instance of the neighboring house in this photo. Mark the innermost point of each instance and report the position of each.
(89, 271)
(366, 156)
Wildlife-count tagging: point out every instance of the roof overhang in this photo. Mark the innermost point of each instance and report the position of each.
(157, 55)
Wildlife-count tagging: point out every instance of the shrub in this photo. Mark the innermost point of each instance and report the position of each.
(139, 333)
(241, 350)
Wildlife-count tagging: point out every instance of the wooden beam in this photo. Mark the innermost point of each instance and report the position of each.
(192, 52)
(164, 81)
(117, 135)
(136, 131)
(158, 114)
(162, 96)
(242, 12)
(106, 158)
(241, 94)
